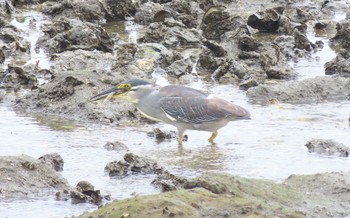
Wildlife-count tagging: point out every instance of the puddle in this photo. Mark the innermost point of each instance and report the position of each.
(314, 65)
(78, 147)
(128, 30)
(30, 23)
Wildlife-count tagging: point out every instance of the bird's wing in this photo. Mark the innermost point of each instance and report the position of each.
(187, 109)
(193, 106)
(184, 104)
(226, 109)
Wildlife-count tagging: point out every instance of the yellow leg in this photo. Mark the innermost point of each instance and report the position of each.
(180, 140)
(181, 135)
(213, 136)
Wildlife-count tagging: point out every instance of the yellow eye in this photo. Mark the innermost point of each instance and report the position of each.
(124, 86)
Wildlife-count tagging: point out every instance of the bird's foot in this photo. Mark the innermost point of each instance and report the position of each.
(213, 136)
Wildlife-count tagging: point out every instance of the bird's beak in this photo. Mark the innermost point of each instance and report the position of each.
(115, 91)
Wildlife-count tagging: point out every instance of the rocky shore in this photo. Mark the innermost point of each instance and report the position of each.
(243, 43)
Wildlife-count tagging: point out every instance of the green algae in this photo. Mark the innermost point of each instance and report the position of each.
(212, 195)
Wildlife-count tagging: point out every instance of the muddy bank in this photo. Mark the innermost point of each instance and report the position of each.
(315, 90)
(23, 177)
(222, 195)
(211, 41)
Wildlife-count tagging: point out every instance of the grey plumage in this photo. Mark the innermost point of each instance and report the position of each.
(182, 107)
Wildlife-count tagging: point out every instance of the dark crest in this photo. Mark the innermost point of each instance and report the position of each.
(136, 82)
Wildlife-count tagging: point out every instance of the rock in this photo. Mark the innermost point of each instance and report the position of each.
(207, 62)
(167, 181)
(181, 67)
(73, 63)
(116, 146)
(132, 164)
(63, 89)
(141, 164)
(26, 2)
(85, 193)
(152, 12)
(78, 197)
(340, 65)
(217, 21)
(59, 9)
(328, 147)
(223, 195)
(188, 13)
(20, 76)
(342, 37)
(85, 186)
(161, 15)
(321, 26)
(216, 187)
(215, 48)
(117, 168)
(74, 80)
(314, 90)
(253, 80)
(11, 41)
(248, 43)
(265, 21)
(70, 34)
(274, 63)
(302, 42)
(7, 7)
(260, 62)
(160, 135)
(176, 13)
(222, 70)
(63, 195)
(54, 160)
(157, 53)
(301, 16)
(125, 54)
(26, 177)
(287, 45)
(238, 69)
(92, 11)
(170, 36)
(119, 10)
(286, 27)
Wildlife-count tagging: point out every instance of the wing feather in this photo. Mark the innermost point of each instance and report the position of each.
(189, 110)
(193, 106)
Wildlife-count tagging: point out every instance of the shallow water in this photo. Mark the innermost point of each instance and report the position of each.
(270, 146)
(30, 22)
(313, 66)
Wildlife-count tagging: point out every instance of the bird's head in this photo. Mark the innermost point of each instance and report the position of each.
(128, 90)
